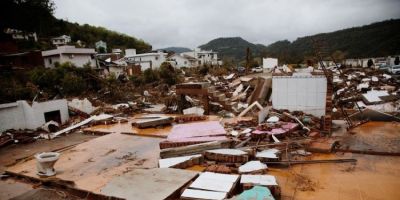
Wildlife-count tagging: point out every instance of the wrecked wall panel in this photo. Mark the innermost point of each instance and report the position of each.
(25, 116)
(306, 93)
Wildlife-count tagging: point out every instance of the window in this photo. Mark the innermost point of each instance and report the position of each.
(185, 62)
(50, 61)
(156, 57)
(71, 56)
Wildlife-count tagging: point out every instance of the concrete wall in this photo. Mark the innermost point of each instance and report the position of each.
(300, 92)
(151, 60)
(179, 61)
(53, 59)
(21, 115)
(78, 59)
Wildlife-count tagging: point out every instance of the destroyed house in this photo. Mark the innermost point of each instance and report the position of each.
(22, 115)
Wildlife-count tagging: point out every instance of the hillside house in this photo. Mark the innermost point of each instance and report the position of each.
(151, 60)
(62, 40)
(203, 56)
(179, 61)
(77, 56)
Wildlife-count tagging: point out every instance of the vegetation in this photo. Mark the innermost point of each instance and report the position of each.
(168, 73)
(176, 49)
(374, 40)
(37, 16)
(233, 48)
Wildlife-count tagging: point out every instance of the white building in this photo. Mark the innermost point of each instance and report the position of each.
(62, 40)
(203, 56)
(21, 35)
(77, 56)
(270, 63)
(179, 61)
(301, 91)
(21, 115)
(146, 60)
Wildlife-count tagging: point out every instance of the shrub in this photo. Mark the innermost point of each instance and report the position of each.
(136, 80)
(150, 76)
(73, 84)
(168, 73)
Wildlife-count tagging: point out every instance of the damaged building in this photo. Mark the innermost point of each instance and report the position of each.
(23, 115)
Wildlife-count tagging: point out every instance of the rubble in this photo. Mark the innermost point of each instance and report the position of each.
(234, 150)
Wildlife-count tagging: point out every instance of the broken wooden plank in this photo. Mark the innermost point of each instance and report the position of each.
(153, 122)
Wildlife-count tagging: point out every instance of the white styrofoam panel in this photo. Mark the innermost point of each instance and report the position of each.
(202, 194)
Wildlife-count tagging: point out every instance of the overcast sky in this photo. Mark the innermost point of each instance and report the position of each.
(190, 23)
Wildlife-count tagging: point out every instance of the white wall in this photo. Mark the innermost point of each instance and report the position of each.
(53, 59)
(180, 61)
(21, 115)
(269, 63)
(144, 60)
(78, 59)
(303, 93)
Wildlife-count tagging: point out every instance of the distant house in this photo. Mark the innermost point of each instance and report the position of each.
(111, 63)
(101, 45)
(146, 60)
(77, 56)
(116, 51)
(62, 40)
(270, 63)
(203, 56)
(179, 61)
(21, 35)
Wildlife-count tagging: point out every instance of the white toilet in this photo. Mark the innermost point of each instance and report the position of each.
(45, 163)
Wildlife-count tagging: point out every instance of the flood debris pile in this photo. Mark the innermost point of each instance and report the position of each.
(243, 149)
(219, 135)
(357, 89)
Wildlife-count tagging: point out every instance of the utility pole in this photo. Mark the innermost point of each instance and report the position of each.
(247, 60)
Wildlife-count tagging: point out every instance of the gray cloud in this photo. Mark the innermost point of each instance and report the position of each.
(190, 23)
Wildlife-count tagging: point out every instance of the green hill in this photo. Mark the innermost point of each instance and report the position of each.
(233, 47)
(374, 40)
(176, 49)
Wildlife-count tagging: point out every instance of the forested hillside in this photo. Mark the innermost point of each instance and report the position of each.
(374, 40)
(233, 47)
(37, 16)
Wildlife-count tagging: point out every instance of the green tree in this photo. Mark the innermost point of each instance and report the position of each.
(370, 63)
(168, 73)
(397, 60)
